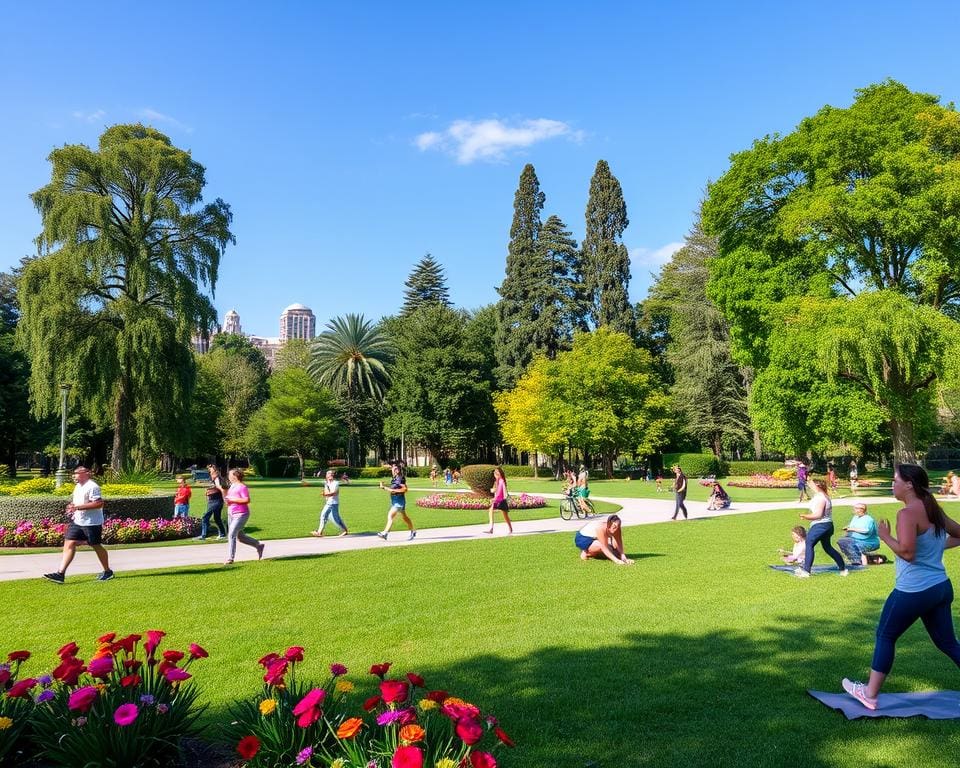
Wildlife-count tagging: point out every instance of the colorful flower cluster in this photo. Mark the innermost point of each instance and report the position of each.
(49, 533)
(127, 705)
(476, 501)
(402, 725)
(762, 481)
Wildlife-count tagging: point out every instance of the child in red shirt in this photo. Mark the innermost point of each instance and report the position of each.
(181, 502)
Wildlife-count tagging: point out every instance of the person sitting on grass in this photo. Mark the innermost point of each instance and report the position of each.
(861, 536)
(799, 551)
(602, 538)
(719, 498)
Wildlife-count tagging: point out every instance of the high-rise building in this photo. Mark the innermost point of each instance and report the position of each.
(231, 323)
(297, 322)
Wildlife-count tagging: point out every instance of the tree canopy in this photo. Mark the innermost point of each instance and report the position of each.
(427, 284)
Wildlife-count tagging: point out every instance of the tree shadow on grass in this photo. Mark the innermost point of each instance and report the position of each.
(716, 698)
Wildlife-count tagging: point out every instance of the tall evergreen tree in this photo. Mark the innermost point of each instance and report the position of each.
(565, 308)
(605, 258)
(427, 284)
(518, 309)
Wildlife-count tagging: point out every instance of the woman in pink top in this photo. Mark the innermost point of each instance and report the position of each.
(238, 505)
(499, 492)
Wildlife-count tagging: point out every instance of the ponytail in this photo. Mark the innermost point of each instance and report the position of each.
(917, 477)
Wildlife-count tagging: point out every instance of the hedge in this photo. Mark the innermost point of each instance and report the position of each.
(693, 464)
(13, 509)
(525, 470)
(747, 468)
(479, 477)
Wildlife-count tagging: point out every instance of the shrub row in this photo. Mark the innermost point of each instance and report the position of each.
(693, 464)
(747, 468)
(14, 509)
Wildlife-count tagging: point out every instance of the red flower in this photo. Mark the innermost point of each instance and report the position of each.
(69, 670)
(394, 691)
(133, 664)
(197, 652)
(101, 667)
(268, 660)
(438, 696)
(70, 649)
(176, 675)
(293, 653)
(130, 680)
(126, 644)
(107, 638)
(154, 636)
(248, 747)
(482, 760)
(173, 656)
(18, 655)
(469, 730)
(19, 689)
(371, 703)
(275, 673)
(4, 676)
(415, 679)
(460, 711)
(407, 757)
(506, 740)
(164, 666)
(82, 699)
(380, 669)
(308, 708)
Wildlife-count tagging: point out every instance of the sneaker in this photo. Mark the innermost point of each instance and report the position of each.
(412, 536)
(801, 574)
(859, 692)
(199, 538)
(844, 572)
(105, 576)
(221, 537)
(382, 535)
(260, 548)
(343, 533)
(56, 577)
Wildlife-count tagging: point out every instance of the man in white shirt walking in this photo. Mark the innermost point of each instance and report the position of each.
(86, 525)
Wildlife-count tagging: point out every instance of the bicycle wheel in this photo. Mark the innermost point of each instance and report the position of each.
(566, 509)
(591, 512)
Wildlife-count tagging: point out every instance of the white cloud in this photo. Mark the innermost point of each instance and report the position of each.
(89, 117)
(653, 258)
(491, 140)
(153, 116)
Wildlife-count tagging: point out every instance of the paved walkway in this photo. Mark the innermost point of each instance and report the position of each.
(634, 512)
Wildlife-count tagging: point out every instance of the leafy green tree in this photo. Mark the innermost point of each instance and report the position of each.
(300, 416)
(708, 386)
(17, 428)
(110, 305)
(606, 262)
(237, 345)
(351, 358)
(295, 353)
(239, 383)
(426, 284)
(519, 332)
(856, 200)
(207, 406)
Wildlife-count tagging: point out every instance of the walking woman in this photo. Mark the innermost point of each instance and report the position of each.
(214, 494)
(499, 501)
(922, 589)
(679, 492)
(238, 505)
(821, 529)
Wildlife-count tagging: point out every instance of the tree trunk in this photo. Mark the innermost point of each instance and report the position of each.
(121, 418)
(536, 463)
(608, 464)
(717, 447)
(904, 447)
(300, 459)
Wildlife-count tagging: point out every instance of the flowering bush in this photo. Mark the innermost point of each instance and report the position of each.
(762, 481)
(403, 725)
(15, 708)
(39, 486)
(49, 533)
(476, 501)
(118, 709)
(785, 473)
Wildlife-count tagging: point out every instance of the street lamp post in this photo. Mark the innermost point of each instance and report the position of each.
(61, 475)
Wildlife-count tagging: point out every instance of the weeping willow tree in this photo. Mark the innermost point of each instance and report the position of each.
(126, 256)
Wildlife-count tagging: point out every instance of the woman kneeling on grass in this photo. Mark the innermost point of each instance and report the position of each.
(602, 538)
(922, 589)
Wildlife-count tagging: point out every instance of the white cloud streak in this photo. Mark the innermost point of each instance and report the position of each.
(653, 258)
(89, 117)
(470, 141)
(153, 116)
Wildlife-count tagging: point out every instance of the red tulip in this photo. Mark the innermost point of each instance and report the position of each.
(380, 669)
(293, 653)
(19, 689)
(438, 696)
(407, 757)
(370, 703)
(504, 739)
(469, 730)
(69, 670)
(130, 680)
(70, 649)
(107, 638)
(18, 656)
(415, 679)
(394, 691)
(154, 636)
(275, 673)
(268, 660)
(248, 747)
(4, 676)
(173, 656)
(197, 652)
(482, 760)
(82, 699)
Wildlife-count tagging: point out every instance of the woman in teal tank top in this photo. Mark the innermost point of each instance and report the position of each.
(922, 589)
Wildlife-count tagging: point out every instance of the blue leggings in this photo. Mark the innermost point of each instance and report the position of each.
(821, 532)
(902, 609)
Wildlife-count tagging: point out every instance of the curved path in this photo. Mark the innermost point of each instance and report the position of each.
(633, 512)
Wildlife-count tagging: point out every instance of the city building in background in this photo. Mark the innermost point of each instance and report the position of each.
(297, 322)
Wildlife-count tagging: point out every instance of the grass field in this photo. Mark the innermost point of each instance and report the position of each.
(697, 655)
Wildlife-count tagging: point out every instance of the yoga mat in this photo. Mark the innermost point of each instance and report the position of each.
(817, 568)
(934, 705)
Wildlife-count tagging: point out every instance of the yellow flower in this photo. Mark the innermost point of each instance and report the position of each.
(343, 686)
(267, 706)
(338, 763)
(5, 722)
(453, 700)
(426, 704)
(446, 763)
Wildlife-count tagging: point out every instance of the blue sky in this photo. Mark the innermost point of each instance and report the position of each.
(352, 138)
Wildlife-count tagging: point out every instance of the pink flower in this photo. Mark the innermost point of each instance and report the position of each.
(176, 675)
(125, 714)
(337, 670)
(482, 760)
(407, 757)
(308, 708)
(82, 699)
(293, 653)
(469, 730)
(101, 667)
(394, 691)
(197, 652)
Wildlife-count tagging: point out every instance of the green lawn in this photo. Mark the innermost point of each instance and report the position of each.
(697, 655)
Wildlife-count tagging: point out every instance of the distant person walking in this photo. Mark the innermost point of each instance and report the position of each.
(499, 500)
(181, 500)
(331, 507)
(679, 492)
(214, 493)
(238, 505)
(922, 589)
(86, 511)
(821, 529)
(398, 502)
(802, 482)
(854, 476)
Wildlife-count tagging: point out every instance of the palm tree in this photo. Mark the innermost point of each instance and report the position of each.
(351, 358)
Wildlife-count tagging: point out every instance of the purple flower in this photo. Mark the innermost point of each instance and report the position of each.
(147, 699)
(79, 722)
(162, 709)
(390, 716)
(337, 670)
(44, 695)
(45, 680)
(304, 755)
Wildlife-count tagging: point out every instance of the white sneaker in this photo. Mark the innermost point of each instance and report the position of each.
(844, 572)
(801, 574)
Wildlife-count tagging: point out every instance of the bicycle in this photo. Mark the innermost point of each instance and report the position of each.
(570, 506)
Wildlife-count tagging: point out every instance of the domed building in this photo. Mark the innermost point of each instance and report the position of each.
(297, 322)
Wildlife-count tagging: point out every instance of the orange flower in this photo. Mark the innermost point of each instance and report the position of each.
(412, 733)
(349, 728)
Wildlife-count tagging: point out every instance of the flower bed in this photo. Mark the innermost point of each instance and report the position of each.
(38, 508)
(476, 501)
(769, 481)
(49, 533)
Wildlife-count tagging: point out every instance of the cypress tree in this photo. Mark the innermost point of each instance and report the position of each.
(426, 284)
(519, 306)
(605, 258)
(565, 307)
